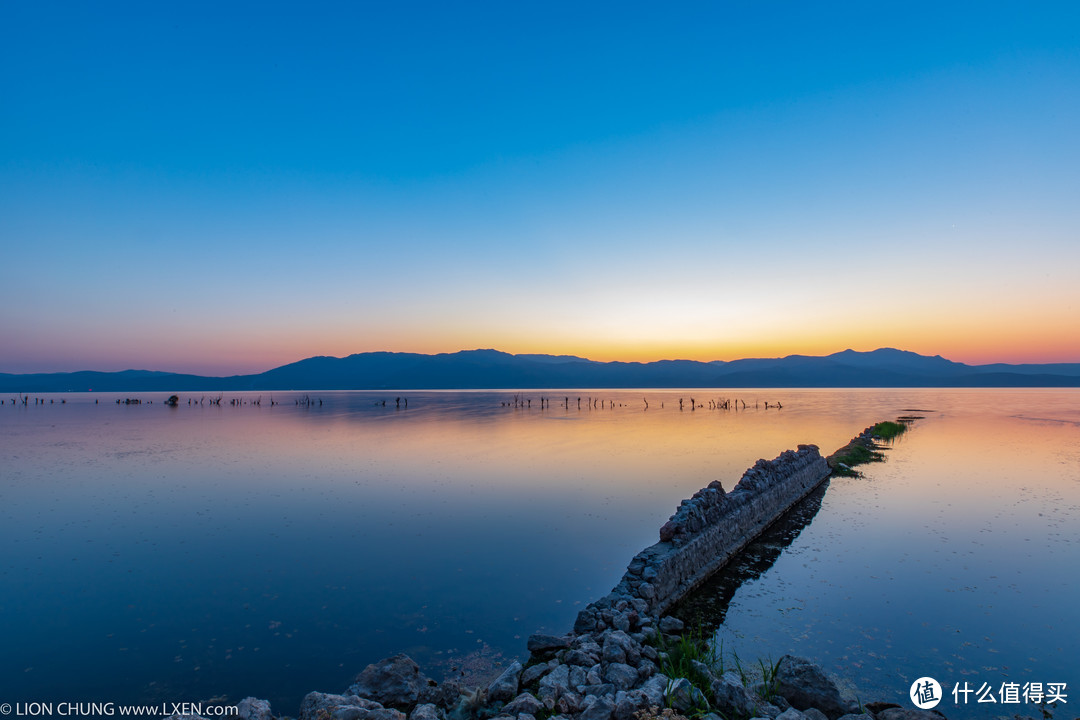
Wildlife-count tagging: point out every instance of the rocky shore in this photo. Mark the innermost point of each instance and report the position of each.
(625, 659)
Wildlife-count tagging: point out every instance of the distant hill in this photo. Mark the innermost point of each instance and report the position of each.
(473, 369)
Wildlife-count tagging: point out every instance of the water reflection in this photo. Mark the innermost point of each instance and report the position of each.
(706, 607)
(189, 552)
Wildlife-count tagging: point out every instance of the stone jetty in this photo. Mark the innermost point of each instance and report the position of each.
(611, 665)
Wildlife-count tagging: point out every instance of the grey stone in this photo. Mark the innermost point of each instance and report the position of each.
(324, 706)
(856, 716)
(569, 703)
(601, 690)
(553, 685)
(654, 689)
(621, 675)
(593, 676)
(768, 709)
(684, 697)
(585, 621)
(628, 703)
(534, 672)
(524, 703)
(579, 676)
(806, 685)
(670, 625)
(425, 711)
(394, 682)
(731, 697)
(253, 709)
(704, 670)
(505, 687)
(581, 657)
(525, 716)
(558, 678)
(590, 646)
(647, 668)
(598, 708)
(620, 647)
(540, 644)
(791, 714)
(815, 714)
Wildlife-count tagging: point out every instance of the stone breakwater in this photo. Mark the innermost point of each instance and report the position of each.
(705, 532)
(611, 667)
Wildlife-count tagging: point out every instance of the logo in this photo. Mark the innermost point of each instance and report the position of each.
(925, 693)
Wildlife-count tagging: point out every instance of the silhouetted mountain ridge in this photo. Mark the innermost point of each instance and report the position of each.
(488, 368)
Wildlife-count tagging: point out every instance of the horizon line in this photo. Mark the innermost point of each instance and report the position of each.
(570, 356)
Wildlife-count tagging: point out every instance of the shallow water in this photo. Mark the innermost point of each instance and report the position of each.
(203, 551)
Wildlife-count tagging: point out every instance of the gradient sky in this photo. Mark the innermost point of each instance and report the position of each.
(226, 187)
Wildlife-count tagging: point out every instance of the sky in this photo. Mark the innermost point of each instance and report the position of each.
(222, 188)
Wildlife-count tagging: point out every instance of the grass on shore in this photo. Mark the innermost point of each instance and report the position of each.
(860, 450)
(889, 430)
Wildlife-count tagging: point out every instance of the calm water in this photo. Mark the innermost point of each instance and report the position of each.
(191, 553)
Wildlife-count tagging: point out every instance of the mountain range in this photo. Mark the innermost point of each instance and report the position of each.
(474, 369)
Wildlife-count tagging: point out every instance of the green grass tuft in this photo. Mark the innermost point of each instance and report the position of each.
(889, 430)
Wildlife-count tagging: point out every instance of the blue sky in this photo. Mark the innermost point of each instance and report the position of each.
(225, 189)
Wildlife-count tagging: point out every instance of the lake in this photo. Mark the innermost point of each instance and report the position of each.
(207, 551)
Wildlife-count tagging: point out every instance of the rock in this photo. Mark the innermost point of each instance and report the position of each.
(621, 675)
(505, 687)
(323, 706)
(647, 668)
(585, 621)
(601, 690)
(620, 647)
(426, 711)
(553, 685)
(909, 714)
(684, 697)
(534, 672)
(593, 676)
(543, 644)
(524, 703)
(806, 685)
(670, 625)
(654, 689)
(667, 531)
(579, 676)
(815, 714)
(253, 709)
(856, 716)
(393, 682)
(569, 704)
(704, 670)
(628, 703)
(587, 645)
(731, 698)
(581, 657)
(791, 714)
(598, 708)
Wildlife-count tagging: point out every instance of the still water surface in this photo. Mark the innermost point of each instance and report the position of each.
(192, 553)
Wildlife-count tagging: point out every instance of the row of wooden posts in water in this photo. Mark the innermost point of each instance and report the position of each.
(591, 403)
